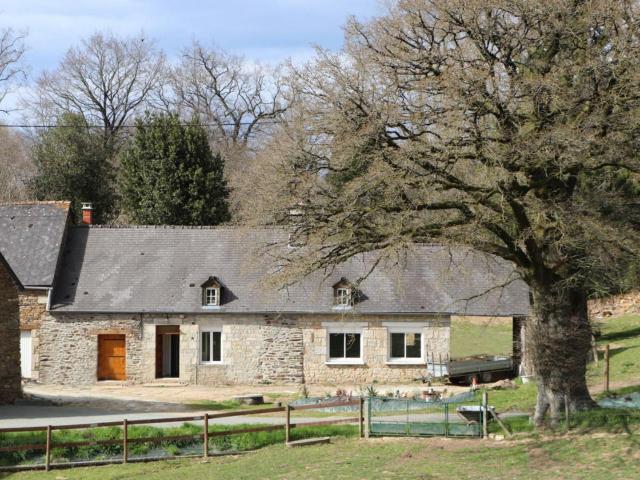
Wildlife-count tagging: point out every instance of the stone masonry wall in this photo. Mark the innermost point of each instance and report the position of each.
(68, 348)
(376, 364)
(280, 356)
(33, 310)
(259, 349)
(10, 388)
(628, 303)
(255, 348)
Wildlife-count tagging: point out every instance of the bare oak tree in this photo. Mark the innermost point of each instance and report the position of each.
(508, 126)
(12, 50)
(106, 79)
(16, 168)
(236, 100)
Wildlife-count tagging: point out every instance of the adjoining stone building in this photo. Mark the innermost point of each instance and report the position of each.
(10, 286)
(31, 237)
(138, 304)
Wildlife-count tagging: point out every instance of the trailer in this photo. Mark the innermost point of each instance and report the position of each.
(485, 368)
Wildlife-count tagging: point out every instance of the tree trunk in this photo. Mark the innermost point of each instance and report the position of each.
(560, 340)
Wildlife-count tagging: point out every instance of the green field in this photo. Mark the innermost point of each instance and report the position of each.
(476, 337)
(623, 336)
(582, 457)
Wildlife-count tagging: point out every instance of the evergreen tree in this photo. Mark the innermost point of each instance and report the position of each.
(170, 176)
(73, 164)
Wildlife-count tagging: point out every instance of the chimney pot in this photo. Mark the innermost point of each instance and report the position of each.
(87, 213)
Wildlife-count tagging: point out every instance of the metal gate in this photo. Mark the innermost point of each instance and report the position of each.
(409, 417)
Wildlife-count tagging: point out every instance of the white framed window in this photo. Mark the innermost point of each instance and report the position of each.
(345, 344)
(211, 346)
(211, 296)
(343, 297)
(405, 344)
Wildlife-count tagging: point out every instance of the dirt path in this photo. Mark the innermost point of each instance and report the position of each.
(168, 395)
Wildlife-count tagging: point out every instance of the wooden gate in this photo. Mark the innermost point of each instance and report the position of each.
(112, 357)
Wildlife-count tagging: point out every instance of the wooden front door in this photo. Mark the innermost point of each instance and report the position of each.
(112, 357)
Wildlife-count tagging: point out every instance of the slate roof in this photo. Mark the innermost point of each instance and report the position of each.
(161, 269)
(31, 235)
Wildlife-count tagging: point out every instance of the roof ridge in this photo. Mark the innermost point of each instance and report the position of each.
(66, 204)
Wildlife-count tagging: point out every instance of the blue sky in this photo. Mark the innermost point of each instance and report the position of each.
(267, 30)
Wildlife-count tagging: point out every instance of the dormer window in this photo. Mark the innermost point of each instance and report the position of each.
(212, 297)
(211, 290)
(343, 297)
(343, 294)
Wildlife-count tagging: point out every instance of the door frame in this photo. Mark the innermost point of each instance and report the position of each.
(162, 332)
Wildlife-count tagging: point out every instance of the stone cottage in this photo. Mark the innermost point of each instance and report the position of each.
(10, 287)
(138, 304)
(31, 238)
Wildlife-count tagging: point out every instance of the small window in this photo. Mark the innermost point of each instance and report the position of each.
(344, 345)
(212, 296)
(406, 345)
(343, 297)
(211, 347)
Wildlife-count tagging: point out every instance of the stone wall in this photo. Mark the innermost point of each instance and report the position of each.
(286, 350)
(628, 303)
(376, 365)
(33, 310)
(255, 348)
(68, 348)
(10, 388)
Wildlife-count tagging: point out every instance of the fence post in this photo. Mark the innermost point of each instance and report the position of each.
(485, 403)
(206, 435)
(125, 440)
(287, 427)
(361, 418)
(47, 455)
(606, 368)
(566, 411)
(367, 431)
(446, 419)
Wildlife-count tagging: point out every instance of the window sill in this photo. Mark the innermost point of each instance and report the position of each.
(209, 364)
(211, 307)
(401, 361)
(355, 361)
(342, 307)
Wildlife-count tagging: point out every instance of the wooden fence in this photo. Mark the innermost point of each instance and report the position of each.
(125, 441)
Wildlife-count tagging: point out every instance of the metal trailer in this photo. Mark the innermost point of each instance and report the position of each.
(484, 368)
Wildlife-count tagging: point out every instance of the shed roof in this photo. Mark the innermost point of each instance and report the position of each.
(161, 269)
(31, 235)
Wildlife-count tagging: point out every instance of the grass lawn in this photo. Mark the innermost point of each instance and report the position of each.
(580, 457)
(623, 336)
(480, 336)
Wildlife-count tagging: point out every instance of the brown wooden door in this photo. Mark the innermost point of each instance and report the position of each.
(112, 357)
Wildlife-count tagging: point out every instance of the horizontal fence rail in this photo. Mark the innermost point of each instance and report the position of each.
(126, 440)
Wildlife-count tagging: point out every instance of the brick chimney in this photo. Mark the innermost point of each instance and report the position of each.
(87, 213)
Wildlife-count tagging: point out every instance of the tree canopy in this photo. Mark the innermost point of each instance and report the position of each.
(170, 176)
(508, 126)
(72, 163)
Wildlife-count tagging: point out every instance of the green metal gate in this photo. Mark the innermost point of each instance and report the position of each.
(408, 417)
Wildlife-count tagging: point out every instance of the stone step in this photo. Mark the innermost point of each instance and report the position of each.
(309, 441)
